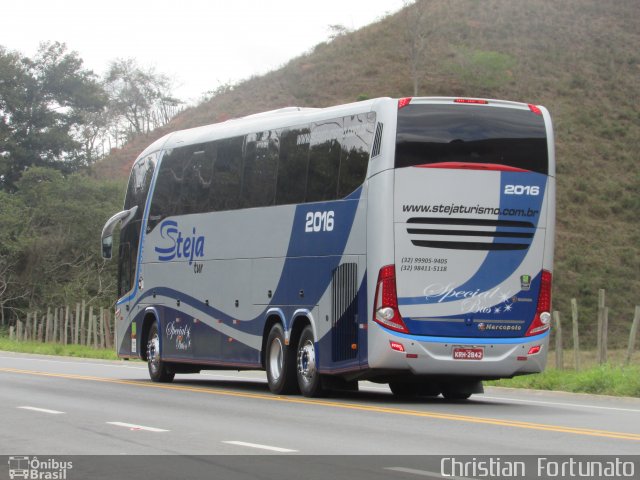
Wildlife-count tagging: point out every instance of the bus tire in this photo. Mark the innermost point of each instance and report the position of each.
(158, 371)
(309, 380)
(280, 363)
(411, 390)
(456, 395)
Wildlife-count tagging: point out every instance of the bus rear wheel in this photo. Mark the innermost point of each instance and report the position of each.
(309, 379)
(280, 363)
(158, 371)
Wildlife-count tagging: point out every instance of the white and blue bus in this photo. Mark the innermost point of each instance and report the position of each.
(407, 242)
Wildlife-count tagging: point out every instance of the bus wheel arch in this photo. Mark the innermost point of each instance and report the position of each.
(272, 319)
(150, 318)
(150, 349)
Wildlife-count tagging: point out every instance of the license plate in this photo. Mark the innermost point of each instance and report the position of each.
(464, 353)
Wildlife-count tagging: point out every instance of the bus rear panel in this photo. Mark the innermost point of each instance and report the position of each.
(473, 215)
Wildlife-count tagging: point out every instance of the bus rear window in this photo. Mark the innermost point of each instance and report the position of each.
(476, 134)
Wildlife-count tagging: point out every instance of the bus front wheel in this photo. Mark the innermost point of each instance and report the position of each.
(157, 368)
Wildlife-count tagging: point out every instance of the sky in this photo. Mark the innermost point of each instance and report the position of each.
(199, 44)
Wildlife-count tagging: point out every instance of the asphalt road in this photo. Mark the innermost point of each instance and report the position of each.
(63, 406)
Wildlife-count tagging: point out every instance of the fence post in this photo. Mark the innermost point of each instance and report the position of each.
(19, 330)
(54, 337)
(66, 325)
(41, 329)
(47, 330)
(576, 337)
(107, 325)
(103, 329)
(95, 331)
(605, 334)
(77, 332)
(632, 335)
(83, 332)
(12, 332)
(27, 328)
(89, 327)
(601, 302)
(34, 330)
(559, 352)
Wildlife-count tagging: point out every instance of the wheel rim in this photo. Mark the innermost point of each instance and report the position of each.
(153, 354)
(307, 362)
(276, 357)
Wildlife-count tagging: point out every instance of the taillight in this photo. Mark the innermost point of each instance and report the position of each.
(542, 320)
(403, 102)
(385, 307)
(535, 109)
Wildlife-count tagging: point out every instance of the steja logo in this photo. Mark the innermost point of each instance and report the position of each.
(525, 282)
(187, 246)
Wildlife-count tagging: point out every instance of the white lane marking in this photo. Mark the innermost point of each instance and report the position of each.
(132, 426)
(43, 410)
(423, 473)
(557, 404)
(257, 445)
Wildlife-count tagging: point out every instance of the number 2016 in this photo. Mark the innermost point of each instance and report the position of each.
(319, 222)
(532, 190)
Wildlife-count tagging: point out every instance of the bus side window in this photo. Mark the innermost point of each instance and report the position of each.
(260, 169)
(324, 161)
(227, 175)
(292, 166)
(198, 173)
(166, 194)
(354, 157)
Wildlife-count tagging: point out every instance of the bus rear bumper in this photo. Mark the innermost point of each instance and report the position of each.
(473, 357)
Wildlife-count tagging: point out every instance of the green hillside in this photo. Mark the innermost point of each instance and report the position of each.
(579, 58)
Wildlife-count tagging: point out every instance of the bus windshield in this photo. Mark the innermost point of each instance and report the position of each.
(476, 134)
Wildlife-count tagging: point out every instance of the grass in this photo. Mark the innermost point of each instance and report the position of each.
(57, 349)
(607, 379)
(611, 378)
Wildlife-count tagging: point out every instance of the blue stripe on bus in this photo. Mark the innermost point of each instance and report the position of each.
(468, 341)
(307, 252)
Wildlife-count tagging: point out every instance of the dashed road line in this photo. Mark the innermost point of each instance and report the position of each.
(259, 446)
(423, 473)
(135, 427)
(42, 410)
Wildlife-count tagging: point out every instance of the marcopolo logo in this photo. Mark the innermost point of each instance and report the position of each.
(484, 327)
(179, 245)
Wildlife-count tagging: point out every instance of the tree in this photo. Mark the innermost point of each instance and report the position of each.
(142, 97)
(43, 101)
(49, 252)
(415, 39)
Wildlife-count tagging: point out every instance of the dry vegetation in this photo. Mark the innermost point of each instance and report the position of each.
(579, 58)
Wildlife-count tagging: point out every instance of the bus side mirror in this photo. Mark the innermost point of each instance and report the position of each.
(106, 238)
(107, 246)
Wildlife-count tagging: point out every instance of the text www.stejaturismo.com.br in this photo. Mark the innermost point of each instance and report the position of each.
(457, 209)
